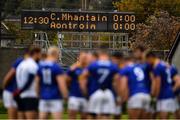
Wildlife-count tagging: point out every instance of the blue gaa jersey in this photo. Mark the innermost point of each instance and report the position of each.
(12, 85)
(137, 82)
(174, 72)
(163, 71)
(48, 72)
(74, 89)
(101, 75)
(148, 69)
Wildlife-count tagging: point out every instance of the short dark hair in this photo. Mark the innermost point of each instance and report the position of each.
(117, 54)
(150, 54)
(102, 51)
(128, 58)
(141, 48)
(33, 50)
(95, 54)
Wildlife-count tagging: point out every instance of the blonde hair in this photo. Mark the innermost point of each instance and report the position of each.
(53, 51)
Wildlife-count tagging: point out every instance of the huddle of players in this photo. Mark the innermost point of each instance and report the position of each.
(96, 86)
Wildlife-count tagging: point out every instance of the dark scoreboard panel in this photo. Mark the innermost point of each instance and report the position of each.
(78, 21)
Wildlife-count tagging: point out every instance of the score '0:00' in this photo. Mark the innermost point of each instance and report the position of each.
(128, 18)
(128, 26)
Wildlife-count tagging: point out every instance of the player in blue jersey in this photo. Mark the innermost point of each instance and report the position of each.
(118, 59)
(139, 57)
(52, 86)
(176, 77)
(77, 103)
(162, 86)
(97, 82)
(9, 84)
(134, 89)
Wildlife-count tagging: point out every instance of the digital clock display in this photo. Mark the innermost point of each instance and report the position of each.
(78, 21)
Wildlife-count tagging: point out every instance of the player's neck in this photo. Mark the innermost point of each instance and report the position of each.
(51, 59)
(104, 58)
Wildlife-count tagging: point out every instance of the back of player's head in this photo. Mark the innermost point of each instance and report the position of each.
(141, 48)
(128, 58)
(82, 52)
(53, 51)
(118, 55)
(150, 54)
(82, 55)
(34, 50)
(102, 52)
(95, 54)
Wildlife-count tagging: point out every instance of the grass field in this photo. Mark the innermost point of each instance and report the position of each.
(4, 116)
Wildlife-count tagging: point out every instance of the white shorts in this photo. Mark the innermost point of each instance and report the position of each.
(8, 100)
(77, 104)
(139, 101)
(166, 105)
(177, 103)
(51, 106)
(101, 102)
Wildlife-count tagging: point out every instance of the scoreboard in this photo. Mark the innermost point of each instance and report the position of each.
(78, 21)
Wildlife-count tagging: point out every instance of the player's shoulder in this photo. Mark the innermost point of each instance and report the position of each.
(142, 66)
(104, 63)
(17, 62)
(161, 65)
(126, 68)
(57, 66)
(93, 64)
(173, 67)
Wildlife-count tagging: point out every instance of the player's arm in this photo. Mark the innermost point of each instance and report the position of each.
(83, 81)
(37, 84)
(176, 79)
(30, 80)
(156, 83)
(8, 77)
(116, 83)
(68, 77)
(124, 92)
(61, 80)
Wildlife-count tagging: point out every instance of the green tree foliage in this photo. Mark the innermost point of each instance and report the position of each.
(10, 7)
(157, 33)
(100, 5)
(144, 8)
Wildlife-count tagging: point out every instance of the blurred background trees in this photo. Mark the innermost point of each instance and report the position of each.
(145, 8)
(158, 22)
(158, 32)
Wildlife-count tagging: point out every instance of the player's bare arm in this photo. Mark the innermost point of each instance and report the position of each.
(37, 80)
(62, 85)
(124, 88)
(176, 79)
(156, 85)
(83, 82)
(116, 85)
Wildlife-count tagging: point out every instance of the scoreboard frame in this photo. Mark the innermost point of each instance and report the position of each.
(78, 21)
